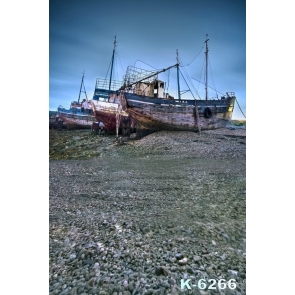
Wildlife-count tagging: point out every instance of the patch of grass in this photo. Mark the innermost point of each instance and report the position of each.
(238, 122)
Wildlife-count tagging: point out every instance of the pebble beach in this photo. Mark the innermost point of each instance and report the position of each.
(157, 215)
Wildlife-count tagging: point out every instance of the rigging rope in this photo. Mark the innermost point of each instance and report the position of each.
(194, 58)
(146, 64)
(208, 86)
(212, 75)
(222, 94)
(201, 73)
(123, 71)
(115, 72)
(186, 83)
(240, 108)
(108, 70)
(85, 91)
(120, 62)
(192, 85)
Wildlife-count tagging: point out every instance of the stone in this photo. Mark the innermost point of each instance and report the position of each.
(197, 258)
(159, 270)
(91, 282)
(178, 256)
(182, 261)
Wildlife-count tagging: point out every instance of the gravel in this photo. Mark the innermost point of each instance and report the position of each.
(140, 215)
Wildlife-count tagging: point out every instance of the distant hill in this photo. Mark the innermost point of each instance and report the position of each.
(51, 113)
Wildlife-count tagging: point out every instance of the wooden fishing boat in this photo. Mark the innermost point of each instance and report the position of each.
(147, 103)
(80, 114)
(105, 104)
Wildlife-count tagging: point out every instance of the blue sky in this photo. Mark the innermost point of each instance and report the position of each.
(81, 37)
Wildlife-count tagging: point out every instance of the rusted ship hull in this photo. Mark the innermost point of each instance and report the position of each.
(106, 112)
(77, 121)
(106, 109)
(163, 114)
(55, 122)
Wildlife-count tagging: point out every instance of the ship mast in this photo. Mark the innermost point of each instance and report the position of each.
(206, 77)
(112, 65)
(178, 74)
(82, 83)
